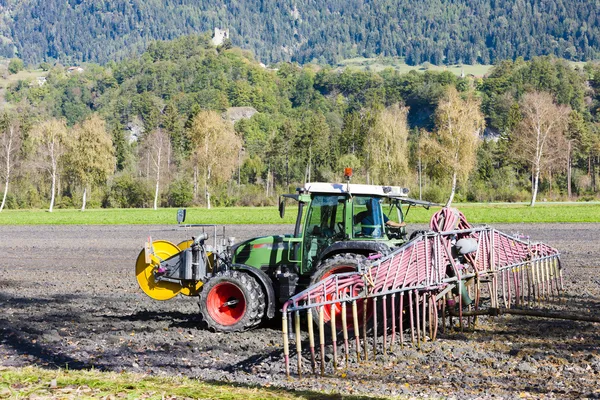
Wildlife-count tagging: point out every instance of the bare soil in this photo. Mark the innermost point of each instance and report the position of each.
(69, 297)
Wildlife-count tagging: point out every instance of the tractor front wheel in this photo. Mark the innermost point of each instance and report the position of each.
(231, 301)
(339, 264)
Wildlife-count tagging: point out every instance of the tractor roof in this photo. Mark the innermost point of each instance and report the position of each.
(374, 190)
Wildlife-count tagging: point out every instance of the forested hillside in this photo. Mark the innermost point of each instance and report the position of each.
(188, 123)
(435, 31)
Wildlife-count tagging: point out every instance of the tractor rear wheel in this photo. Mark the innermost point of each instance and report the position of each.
(339, 264)
(231, 301)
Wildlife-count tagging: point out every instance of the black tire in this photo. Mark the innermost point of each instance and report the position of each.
(248, 302)
(339, 263)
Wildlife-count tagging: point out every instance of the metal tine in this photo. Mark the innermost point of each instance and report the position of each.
(551, 282)
(529, 282)
(436, 311)
(547, 272)
(536, 288)
(509, 279)
(286, 347)
(491, 291)
(298, 341)
(412, 324)
(393, 341)
(356, 331)
(443, 306)
(556, 276)
(374, 327)
(384, 325)
(432, 303)
(401, 320)
(460, 306)
(333, 335)
(311, 340)
(548, 278)
(322, 338)
(470, 291)
(521, 278)
(543, 279)
(502, 276)
(517, 285)
(417, 318)
(423, 314)
(345, 332)
(365, 344)
(477, 299)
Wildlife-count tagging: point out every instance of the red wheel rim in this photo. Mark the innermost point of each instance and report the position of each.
(340, 269)
(226, 303)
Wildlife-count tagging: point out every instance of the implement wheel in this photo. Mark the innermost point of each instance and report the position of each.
(339, 264)
(144, 272)
(231, 301)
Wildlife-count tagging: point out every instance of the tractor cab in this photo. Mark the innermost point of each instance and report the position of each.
(336, 218)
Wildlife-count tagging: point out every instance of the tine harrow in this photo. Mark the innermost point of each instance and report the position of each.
(428, 277)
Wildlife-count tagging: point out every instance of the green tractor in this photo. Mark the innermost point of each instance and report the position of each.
(338, 226)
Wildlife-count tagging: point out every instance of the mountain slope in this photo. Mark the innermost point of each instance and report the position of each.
(437, 31)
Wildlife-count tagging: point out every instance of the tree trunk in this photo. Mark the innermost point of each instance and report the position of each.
(52, 189)
(420, 180)
(569, 171)
(84, 199)
(8, 151)
(451, 198)
(267, 180)
(157, 177)
(534, 188)
(593, 173)
(5, 192)
(195, 182)
(206, 192)
(156, 196)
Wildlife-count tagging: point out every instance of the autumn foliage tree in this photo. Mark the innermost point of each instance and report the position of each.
(539, 138)
(452, 148)
(387, 146)
(91, 158)
(215, 150)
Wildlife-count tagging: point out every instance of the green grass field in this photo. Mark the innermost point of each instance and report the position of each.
(37, 383)
(21, 75)
(379, 64)
(475, 213)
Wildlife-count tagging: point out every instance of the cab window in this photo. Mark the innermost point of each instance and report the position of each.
(367, 217)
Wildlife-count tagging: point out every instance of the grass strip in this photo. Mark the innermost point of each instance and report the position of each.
(33, 382)
(475, 212)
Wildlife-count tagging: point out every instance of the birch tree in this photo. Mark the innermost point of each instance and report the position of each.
(216, 148)
(387, 146)
(52, 138)
(10, 141)
(156, 153)
(91, 159)
(539, 136)
(452, 148)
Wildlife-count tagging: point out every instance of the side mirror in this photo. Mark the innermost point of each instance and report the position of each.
(180, 215)
(281, 206)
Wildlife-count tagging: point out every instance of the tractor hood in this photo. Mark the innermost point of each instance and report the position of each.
(263, 252)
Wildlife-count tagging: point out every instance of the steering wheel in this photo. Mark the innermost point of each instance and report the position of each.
(395, 232)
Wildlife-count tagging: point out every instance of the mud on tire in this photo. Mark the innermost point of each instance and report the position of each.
(337, 264)
(231, 301)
